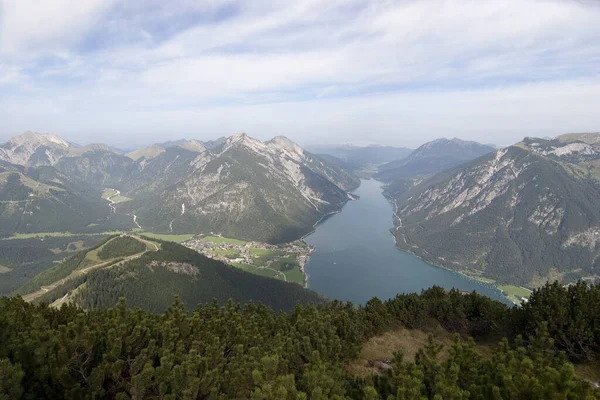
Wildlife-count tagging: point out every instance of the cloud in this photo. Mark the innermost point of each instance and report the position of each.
(29, 25)
(337, 67)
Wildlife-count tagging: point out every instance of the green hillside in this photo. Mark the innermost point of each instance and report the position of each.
(25, 258)
(151, 280)
(44, 200)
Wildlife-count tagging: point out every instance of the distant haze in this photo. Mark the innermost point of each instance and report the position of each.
(397, 73)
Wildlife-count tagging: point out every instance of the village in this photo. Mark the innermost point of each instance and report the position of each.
(282, 261)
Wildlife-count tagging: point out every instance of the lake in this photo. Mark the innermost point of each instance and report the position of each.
(356, 257)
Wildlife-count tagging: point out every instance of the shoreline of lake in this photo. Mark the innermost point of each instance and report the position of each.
(353, 246)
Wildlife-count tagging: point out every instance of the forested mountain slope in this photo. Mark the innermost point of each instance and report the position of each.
(236, 352)
(44, 200)
(519, 215)
(151, 278)
(97, 166)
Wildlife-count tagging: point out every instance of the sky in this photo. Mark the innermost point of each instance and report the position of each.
(130, 72)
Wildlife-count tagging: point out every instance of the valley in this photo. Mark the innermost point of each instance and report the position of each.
(456, 204)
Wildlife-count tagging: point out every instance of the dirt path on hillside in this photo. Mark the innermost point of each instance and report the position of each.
(45, 289)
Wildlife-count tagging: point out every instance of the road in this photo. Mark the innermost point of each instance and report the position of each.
(45, 289)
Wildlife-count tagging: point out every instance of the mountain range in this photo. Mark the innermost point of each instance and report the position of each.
(238, 186)
(361, 159)
(432, 157)
(517, 215)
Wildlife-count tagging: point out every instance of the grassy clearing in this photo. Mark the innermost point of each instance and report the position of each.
(229, 253)
(295, 275)
(219, 239)
(120, 199)
(166, 237)
(589, 371)
(116, 199)
(484, 280)
(39, 235)
(382, 348)
(268, 273)
(244, 267)
(107, 193)
(92, 257)
(258, 271)
(511, 290)
(265, 253)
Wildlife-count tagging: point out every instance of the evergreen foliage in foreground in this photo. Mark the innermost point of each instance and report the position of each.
(236, 352)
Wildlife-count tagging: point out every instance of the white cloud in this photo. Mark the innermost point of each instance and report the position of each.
(418, 69)
(31, 25)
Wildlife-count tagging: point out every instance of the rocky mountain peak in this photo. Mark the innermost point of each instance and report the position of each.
(32, 148)
(193, 145)
(35, 139)
(283, 143)
(242, 139)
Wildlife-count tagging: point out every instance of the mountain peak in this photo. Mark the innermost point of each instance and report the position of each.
(245, 140)
(284, 143)
(193, 145)
(38, 139)
(33, 149)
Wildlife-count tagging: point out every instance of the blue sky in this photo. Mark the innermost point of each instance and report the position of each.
(318, 71)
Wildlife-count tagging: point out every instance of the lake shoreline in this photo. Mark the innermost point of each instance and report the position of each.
(480, 281)
(355, 260)
(396, 219)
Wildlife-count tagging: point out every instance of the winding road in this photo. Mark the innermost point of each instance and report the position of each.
(78, 272)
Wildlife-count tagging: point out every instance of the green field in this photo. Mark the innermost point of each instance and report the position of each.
(107, 193)
(117, 199)
(57, 234)
(268, 273)
(512, 291)
(265, 253)
(229, 253)
(166, 237)
(295, 275)
(219, 239)
(244, 267)
(484, 280)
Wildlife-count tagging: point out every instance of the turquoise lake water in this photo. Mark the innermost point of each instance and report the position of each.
(356, 257)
